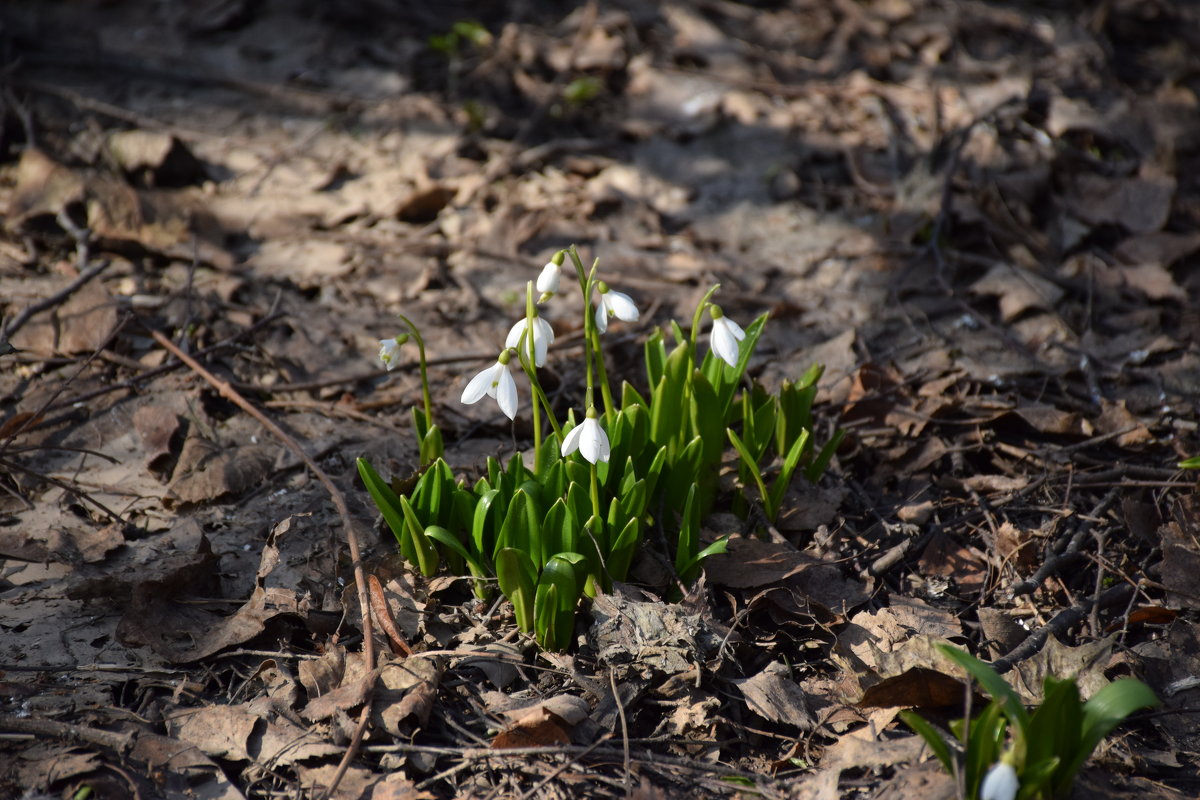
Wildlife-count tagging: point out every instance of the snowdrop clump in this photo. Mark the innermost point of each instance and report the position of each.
(569, 524)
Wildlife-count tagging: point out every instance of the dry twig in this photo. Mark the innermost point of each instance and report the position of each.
(339, 500)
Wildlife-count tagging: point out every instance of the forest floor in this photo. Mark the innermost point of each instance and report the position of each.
(983, 219)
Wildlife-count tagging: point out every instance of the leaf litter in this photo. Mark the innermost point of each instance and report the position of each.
(979, 222)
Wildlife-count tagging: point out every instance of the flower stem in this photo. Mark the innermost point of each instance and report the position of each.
(527, 348)
(602, 375)
(596, 497)
(703, 304)
(416, 334)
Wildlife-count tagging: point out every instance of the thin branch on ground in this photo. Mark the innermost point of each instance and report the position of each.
(339, 500)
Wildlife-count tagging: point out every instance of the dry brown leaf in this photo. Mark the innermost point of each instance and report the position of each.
(537, 728)
(916, 687)
(164, 755)
(408, 689)
(995, 483)
(44, 188)
(1086, 663)
(322, 675)
(946, 558)
(82, 324)
(1016, 546)
(218, 731)
(1154, 281)
(1115, 417)
(749, 563)
(1018, 290)
(157, 425)
(1048, 419)
(1160, 248)
(154, 158)
(207, 471)
(774, 696)
(1140, 204)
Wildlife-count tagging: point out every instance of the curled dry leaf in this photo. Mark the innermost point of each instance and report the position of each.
(773, 695)
(322, 675)
(546, 724)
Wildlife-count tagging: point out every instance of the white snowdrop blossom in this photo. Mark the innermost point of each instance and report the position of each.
(495, 381)
(1001, 783)
(589, 439)
(543, 337)
(725, 337)
(389, 350)
(613, 304)
(547, 281)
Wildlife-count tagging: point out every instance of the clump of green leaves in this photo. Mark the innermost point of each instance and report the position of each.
(568, 521)
(1045, 748)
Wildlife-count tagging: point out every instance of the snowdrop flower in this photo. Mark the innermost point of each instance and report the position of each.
(589, 439)
(1001, 782)
(613, 304)
(495, 381)
(725, 336)
(389, 350)
(547, 281)
(543, 337)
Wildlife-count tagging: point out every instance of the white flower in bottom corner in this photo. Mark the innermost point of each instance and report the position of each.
(726, 336)
(613, 304)
(1001, 783)
(543, 337)
(389, 350)
(589, 439)
(495, 381)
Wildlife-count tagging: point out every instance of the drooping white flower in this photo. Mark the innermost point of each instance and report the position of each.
(495, 381)
(543, 337)
(1001, 782)
(589, 439)
(613, 304)
(547, 282)
(389, 350)
(725, 336)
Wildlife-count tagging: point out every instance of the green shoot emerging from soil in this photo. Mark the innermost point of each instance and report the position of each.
(1008, 752)
(568, 520)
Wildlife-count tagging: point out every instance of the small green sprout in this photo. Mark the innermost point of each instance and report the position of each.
(1008, 752)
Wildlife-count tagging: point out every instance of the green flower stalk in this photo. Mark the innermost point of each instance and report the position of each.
(421, 363)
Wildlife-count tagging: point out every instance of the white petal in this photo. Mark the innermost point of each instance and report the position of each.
(388, 350)
(506, 393)
(514, 333)
(723, 342)
(593, 442)
(548, 280)
(480, 385)
(543, 336)
(602, 316)
(622, 306)
(1001, 783)
(571, 442)
(734, 328)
